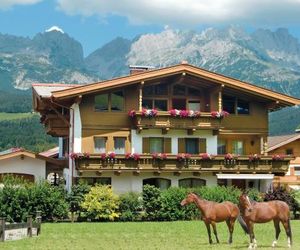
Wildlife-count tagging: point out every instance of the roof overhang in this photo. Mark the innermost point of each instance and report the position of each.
(224, 81)
(285, 142)
(246, 176)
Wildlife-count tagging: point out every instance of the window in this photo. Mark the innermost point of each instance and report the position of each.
(117, 101)
(147, 104)
(179, 90)
(238, 147)
(242, 107)
(99, 145)
(156, 145)
(191, 183)
(119, 145)
(222, 182)
(158, 182)
(192, 145)
(221, 147)
(161, 105)
(289, 151)
(229, 104)
(148, 91)
(179, 103)
(101, 102)
(297, 170)
(194, 105)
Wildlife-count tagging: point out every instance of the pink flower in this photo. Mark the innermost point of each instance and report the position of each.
(184, 113)
(132, 113)
(134, 156)
(230, 157)
(278, 157)
(206, 156)
(159, 156)
(149, 112)
(174, 112)
(254, 157)
(103, 156)
(181, 157)
(112, 155)
(217, 114)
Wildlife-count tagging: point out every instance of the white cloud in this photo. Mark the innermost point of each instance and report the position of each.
(5, 4)
(189, 12)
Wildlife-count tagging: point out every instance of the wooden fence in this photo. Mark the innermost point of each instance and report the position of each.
(16, 231)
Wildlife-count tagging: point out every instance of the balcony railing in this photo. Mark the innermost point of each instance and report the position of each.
(218, 164)
(164, 120)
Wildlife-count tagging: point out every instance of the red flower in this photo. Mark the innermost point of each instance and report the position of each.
(159, 156)
(217, 114)
(181, 157)
(132, 113)
(254, 157)
(184, 113)
(112, 155)
(133, 156)
(103, 156)
(206, 156)
(278, 157)
(230, 157)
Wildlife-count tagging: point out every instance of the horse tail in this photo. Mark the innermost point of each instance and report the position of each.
(243, 224)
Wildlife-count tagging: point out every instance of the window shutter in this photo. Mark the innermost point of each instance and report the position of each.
(167, 145)
(202, 145)
(181, 145)
(146, 145)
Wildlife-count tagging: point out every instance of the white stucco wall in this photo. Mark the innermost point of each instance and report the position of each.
(137, 139)
(128, 182)
(60, 147)
(32, 166)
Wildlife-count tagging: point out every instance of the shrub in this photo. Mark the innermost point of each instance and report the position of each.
(101, 203)
(19, 199)
(131, 205)
(171, 209)
(76, 197)
(152, 202)
(282, 195)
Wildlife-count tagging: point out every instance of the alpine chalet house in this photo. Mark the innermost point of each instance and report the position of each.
(176, 126)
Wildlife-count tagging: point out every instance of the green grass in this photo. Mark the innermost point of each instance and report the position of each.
(14, 116)
(147, 235)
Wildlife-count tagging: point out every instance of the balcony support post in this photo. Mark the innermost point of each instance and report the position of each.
(220, 108)
(141, 96)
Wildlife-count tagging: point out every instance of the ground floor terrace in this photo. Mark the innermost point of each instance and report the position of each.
(132, 171)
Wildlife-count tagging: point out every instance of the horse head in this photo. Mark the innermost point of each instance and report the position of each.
(188, 199)
(245, 202)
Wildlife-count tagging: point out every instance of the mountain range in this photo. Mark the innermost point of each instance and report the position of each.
(267, 58)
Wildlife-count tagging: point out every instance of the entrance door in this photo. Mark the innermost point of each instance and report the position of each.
(239, 183)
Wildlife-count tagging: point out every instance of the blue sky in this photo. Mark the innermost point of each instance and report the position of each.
(95, 22)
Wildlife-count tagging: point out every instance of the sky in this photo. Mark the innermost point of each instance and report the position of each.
(96, 22)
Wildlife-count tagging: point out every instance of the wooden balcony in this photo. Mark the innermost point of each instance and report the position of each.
(195, 164)
(164, 120)
(55, 126)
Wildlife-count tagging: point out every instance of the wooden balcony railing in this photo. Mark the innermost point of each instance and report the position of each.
(164, 120)
(195, 163)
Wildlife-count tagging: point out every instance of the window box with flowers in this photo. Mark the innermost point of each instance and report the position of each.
(132, 159)
(158, 159)
(184, 113)
(183, 159)
(219, 115)
(230, 159)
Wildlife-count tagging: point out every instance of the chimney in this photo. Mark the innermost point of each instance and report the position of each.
(136, 69)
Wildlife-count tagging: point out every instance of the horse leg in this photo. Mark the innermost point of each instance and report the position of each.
(251, 235)
(215, 231)
(230, 225)
(208, 232)
(277, 232)
(287, 226)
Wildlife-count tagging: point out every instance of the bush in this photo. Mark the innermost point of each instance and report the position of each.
(101, 204)
(19, 199)
(282, 195)
(152, 202)
(131, 205)
(76, 197)
(171, 209)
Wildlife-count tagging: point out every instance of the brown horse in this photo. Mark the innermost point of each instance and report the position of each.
(213, 212)
(262, 212)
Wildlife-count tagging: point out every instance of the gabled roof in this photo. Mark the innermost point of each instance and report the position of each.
(53, 152)
(20, 152)
(275, 142)
(45, 89)
(172, 70)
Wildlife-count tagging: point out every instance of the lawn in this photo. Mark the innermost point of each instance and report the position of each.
(147, 235)
(14, 116)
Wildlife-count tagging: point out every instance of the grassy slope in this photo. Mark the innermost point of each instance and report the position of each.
(14, 116)
(147, 235)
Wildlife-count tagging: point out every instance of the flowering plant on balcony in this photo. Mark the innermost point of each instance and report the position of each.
(159, 156)
(206, 156)
(217, 114)
(112, 155)
(277, 157)
(133, 156)
(84, 155)
(149, 112)
(103, 156)
(229, 157)
(254, 158)
(132, 113)
(184, 113)
(183, 156)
